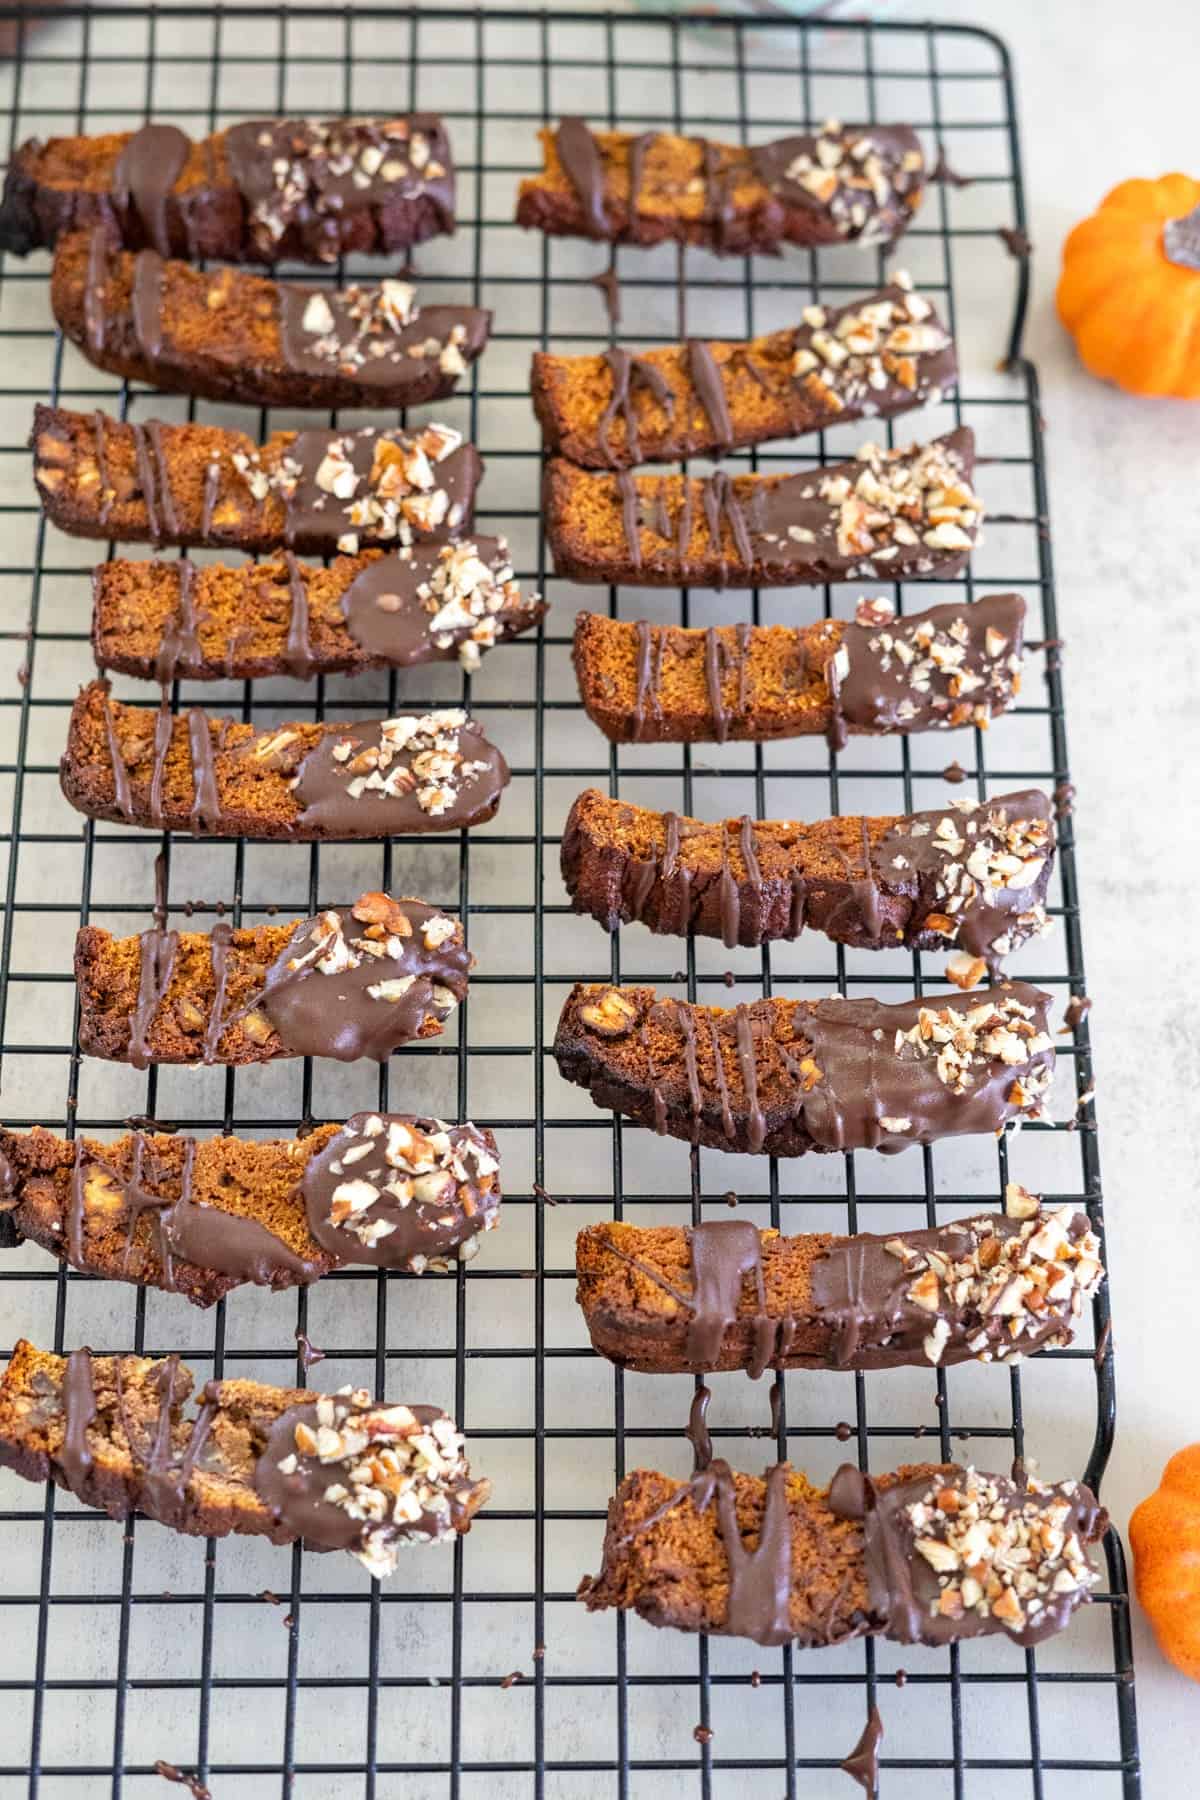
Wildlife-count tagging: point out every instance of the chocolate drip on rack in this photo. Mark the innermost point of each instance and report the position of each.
(862, 1764)
(697, 1430)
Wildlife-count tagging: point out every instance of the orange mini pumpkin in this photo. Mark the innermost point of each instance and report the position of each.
(1129, 293)
(1165, 1534)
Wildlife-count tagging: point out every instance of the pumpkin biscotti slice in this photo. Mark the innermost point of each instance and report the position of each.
(227, 335)
(785, 1077)
(930, 1554)
(354, 981)
(893, 515)
(843, 184)
(334, 1471)
(724, 1294)
(191, 484)
(385, 1190)
(953, 665)
(972, 874)
(871, 358)
(304, 190)
(297, 783)
(430, 603)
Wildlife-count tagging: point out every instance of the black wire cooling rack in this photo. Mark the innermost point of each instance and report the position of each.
(475, 1673)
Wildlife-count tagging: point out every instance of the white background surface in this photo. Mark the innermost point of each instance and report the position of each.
(1106, 91)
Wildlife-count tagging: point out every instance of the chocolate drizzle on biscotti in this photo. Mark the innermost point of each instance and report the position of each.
(433, 772)
(794, 1076)
(890, 514)
(681, 684)
(339, 1471)
(844, 184)
(930, 1555)
(183, 1229)
(262, 191)
(874, 357)
(230, 335)
(991, 1289)
(353, 981)
(971, 875)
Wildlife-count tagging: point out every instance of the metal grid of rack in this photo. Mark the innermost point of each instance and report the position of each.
(475, 1672)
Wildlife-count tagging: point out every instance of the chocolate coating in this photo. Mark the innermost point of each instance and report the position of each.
(319, 1012)
(435, 1189)
(329, 784)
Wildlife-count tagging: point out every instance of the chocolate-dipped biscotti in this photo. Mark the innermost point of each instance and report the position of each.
(354, 981)
(842, 184)
(335, 1471)
(232, 336)
(304, 190)
(972, 874)
(892, 515)
(871, 358)
(429, 603)
(191, 484)
(724, 1294)
(386, 1190)
(784, 1077)
(300, 782)
(931, 1554)
(957, 664)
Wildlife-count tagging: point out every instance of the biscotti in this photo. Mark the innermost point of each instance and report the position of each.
(431, 603)
(306, 190)
(871, 358)
(226, 335)
(891, 515)
(301, 782)
(931, 1554)
(335, 1471)
(843, 184)
(971, 874)
(192, 484)
(724, 1294)
(784, 1077)
(385, 1190)
(354, 981)
(957, 664)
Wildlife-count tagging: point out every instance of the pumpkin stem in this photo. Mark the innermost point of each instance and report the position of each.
(1181, 240)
